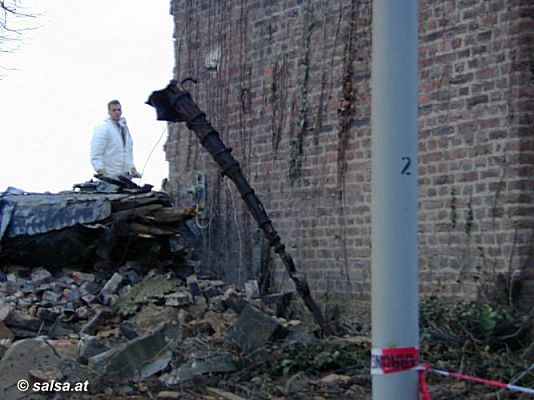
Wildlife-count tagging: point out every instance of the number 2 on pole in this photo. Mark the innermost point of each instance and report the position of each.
(408, 162)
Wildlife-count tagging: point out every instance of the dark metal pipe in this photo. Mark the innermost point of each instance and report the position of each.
(174, 104)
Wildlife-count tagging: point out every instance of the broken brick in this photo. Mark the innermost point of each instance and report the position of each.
(40, 276)
(46, 374)
(112, 284)
(81, 277)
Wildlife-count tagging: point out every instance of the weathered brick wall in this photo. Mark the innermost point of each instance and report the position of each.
(287, 84)
(476, 142)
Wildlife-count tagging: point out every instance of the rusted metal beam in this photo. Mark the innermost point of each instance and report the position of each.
(176, 105)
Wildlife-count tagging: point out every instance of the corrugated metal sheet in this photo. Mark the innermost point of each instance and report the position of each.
(32, 214)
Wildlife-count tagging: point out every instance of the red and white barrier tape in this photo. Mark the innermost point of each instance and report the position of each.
(488, 382)
(389, 361)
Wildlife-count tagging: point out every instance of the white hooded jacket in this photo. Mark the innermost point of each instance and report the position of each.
(108, 151)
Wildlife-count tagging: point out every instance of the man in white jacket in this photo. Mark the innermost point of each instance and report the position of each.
(112, 145)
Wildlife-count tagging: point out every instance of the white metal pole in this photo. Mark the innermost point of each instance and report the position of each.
(394, 264)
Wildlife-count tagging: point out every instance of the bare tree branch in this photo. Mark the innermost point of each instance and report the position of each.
(11, 14)
(13, 23)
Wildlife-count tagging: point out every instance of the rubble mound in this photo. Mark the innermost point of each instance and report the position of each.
(110, 303)
(131, 334)
(102, 292)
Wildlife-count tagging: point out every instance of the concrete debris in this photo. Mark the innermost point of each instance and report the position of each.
(168, 395)
(334, 378)
(180, 298)
(112, 284)
(23, 356)
(126, 304)
(234, 300)
(25, 323)
(128, 331)
(92, 325)
(224, 394)
(194, 288)
(40, 276)
(279, 303)
(132, 340)
(254, 329)
(90, 347)
(140, 358)
(152, 317)
(46, 374)
(150, 290)
(252, 289)
(80, 278)
(5, 333)
(203, 364)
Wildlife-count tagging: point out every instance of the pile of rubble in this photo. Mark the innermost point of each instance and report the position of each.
(101, 297)
(101, 291)
(132, 332)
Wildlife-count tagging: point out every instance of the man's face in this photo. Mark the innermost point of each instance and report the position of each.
(115, 112)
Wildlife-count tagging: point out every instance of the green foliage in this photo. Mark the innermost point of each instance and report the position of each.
(151, 290)
(454, 212)
(295, 162)
(478, 339)
(314, 359)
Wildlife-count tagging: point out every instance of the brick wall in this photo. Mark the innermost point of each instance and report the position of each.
(476, 146)
(287, 85)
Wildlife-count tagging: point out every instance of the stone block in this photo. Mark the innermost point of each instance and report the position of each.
(192, 284)
(219, 363)
(140, 358)
(252, 289)
(90, 347)
(253, 330)
(112, 284)
(279, 303)
(81, 277)
(23, 356)
(40, 276)
(5, 332)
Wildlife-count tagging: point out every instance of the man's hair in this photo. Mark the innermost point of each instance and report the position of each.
(113, 102)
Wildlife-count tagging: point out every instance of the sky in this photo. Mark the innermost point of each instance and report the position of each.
(56, 83)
